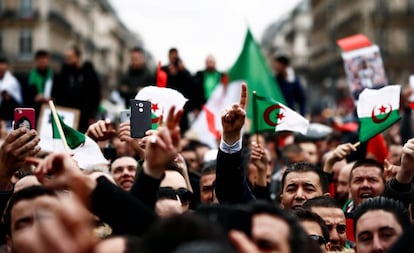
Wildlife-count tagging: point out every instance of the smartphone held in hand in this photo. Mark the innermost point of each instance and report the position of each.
(24, 117)
(140, 117)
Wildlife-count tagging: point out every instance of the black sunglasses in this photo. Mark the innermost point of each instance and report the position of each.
(170, 193)
(319, 239)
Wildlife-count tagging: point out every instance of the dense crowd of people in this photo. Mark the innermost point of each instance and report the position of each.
(170, 192)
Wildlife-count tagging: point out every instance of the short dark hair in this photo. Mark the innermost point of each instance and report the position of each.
(297, 235)
(321, 201)
(169, 233)
(173, 50)
(307, 215)
(208, 167)
(3, 59)
(395, 207)
(28, 193)
(367, 162)
(41, 53)
(137, 49)
(283, 60)
(302, 167)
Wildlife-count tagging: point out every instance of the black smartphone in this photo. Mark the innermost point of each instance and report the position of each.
(140, 117)
(24, 117)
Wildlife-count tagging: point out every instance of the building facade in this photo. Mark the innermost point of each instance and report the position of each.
(388, 24)
(93, 25)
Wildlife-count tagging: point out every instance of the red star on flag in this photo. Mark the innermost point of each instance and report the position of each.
(382, 109)
(154, 107)
(280, 116)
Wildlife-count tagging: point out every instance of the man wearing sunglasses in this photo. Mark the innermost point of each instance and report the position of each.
(330, 211)
(315, 227)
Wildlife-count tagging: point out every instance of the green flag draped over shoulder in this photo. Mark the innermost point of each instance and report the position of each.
(73, 138)
(252, 68)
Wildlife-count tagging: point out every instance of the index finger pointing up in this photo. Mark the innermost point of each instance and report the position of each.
(243, 96)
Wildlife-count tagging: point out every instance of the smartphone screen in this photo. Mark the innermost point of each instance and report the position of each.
(24, 117)
(140, 117)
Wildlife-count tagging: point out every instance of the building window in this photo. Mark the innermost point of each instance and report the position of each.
(26, 8)
(25, 42)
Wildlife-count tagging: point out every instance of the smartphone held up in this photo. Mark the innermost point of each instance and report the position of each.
(140, 117)
(24, 117)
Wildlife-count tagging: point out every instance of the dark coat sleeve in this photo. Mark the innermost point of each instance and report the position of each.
(120, 210)
(145, 189)
(396, 190)
(231, 181)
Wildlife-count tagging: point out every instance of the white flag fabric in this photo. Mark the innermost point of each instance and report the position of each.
(162, 99)
(206, 127)
(289, 120)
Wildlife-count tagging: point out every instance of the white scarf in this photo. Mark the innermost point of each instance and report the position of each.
(10, 85)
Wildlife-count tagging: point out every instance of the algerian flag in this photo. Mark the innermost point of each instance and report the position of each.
(377, 110)
(270, 115)
(162, 99)
(85, 151)
(207, 126)
(252, 68)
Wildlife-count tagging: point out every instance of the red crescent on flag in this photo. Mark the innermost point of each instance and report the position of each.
(266, 114)
(376, 119)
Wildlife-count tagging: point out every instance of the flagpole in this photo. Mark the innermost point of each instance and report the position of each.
(59, 126)
(256, 127)
(356, 144)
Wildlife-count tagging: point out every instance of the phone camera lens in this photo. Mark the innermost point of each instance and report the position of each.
(140, 104)
(140, 110)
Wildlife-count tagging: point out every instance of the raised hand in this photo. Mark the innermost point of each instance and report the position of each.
(125, 135)
(162, 146)
(406, 173)
(101, 130)
(340, 152)
(233, 118)
(18, 145)
(259, 159)
(61, 171)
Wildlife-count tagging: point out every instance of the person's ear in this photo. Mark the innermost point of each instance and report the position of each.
(328, 246)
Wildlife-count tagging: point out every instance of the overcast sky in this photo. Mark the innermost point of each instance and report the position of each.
(197, 28)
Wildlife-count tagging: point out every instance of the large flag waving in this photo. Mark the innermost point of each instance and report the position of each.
(272, 116)
(377, 110)
(85, 151)
(207, 126)
(252, 68)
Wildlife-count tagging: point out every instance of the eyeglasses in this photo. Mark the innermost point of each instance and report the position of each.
(170, 193)
(340, 228)
(319, 239)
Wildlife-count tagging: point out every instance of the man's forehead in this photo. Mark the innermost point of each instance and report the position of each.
(302, 176)
(366, 170)
(42, 202)
(124, 161)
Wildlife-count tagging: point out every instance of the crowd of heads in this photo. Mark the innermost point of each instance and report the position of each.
(169, 192)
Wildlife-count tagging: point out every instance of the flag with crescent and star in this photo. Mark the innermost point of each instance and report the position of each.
(272, 116)
(377, 110)
(162, 99)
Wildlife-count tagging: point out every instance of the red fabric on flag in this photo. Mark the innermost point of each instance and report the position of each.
(161, 77)
(377, 147)
(211, 122)
(353, 42)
